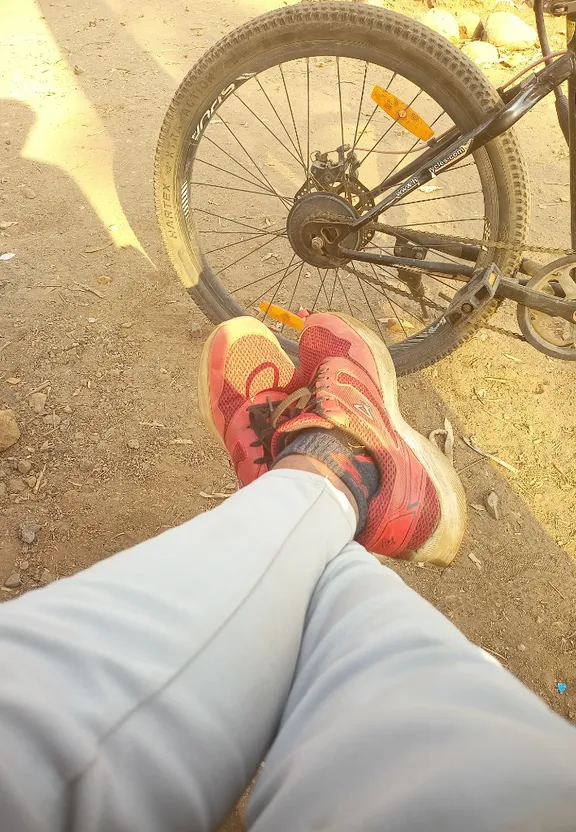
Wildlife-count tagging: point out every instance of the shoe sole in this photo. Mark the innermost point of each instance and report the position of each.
(443, 545)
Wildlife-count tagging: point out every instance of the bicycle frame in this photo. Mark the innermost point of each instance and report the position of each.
(448, 150)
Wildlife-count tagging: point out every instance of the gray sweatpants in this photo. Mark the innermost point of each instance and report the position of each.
(142, 694)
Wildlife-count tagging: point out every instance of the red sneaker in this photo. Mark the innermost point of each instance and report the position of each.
(244, 375)
(419, 512)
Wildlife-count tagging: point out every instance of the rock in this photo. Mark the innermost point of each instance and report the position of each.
(13, 581)
(67, 409)
(2, 489)
(481, 52)
(491, 503)
(28, 192)
(46, 577)
(52, 420)
(133, 444)
(24, 566)
(442, 22)
(508, 31)
(37, 401)
(27, 531)
(16, 485)
(470, 26)
(85, 464)
(30, 481)
(9, 430)
(195, 329)
(45, 445)
(24, 466)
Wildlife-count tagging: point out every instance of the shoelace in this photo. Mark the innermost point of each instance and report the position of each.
(265, 418)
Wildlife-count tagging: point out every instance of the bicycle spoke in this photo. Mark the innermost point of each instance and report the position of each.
(374, 111)
(235, 160)
(308, 121)
(258, 279)
(412, 147)
(343, 290)
(280, 282)
(361, 285)
(280, 121)
(292, 117)
(252, 302)
(323, 286)
(237, 175)
(229, 219)
(263, 123)
(360, 104)
(241, 190)
(244, 256)
(261, 172)
(238, 243)
(319, 290)
(293, 295)
(340, 99)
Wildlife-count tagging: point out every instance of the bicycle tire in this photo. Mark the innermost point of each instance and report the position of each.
(413, 46)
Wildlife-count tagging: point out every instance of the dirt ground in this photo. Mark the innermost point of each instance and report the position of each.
(93, 314)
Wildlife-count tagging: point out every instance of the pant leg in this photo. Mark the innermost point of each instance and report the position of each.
(396, 722)
(143, 693)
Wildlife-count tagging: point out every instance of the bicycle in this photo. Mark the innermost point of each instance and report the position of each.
(275, 142)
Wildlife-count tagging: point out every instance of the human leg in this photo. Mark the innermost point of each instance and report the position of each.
(396, 721)
(143, 693)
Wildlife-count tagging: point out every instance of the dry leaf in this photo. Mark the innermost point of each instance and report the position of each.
(7, 256)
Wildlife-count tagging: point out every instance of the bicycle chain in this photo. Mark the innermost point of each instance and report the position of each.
(485, 244)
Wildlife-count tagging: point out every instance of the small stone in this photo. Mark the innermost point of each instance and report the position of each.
(85, 464)
(24, 566)
(506, 30)
(78, 436)
(67, 409)
(195, 329)
(24, 466)
(491, 503)
(442, 22)
(133, 444)
(13, 581)
(539, 619)
(28, 192)
(45, 445)
(9, 430)
(37, 401)
(522, 647)
(483, 54)
(30, 481)
(127, 325)
(27, 531)
(470, 26)
(109, 433)
(16, 485)
(46, 577)
(52, 419)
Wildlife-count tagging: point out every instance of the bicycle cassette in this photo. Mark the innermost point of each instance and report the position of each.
(548, 334)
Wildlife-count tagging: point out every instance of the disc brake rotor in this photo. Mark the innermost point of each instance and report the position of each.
(553, 336)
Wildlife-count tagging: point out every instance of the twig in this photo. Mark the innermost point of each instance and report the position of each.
(7, 344)
(181, 442)
(39, 480)
(91, 290)
(98, 248)
(556, 590)
(37, 389)
(494, 652)
(471, 444)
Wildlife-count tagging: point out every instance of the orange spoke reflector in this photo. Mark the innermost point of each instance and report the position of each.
(402, 113)
(282, 315)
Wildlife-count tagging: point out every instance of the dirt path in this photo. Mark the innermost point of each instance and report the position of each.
(93, 313)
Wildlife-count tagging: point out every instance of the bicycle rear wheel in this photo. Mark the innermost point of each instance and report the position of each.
(266, 109)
